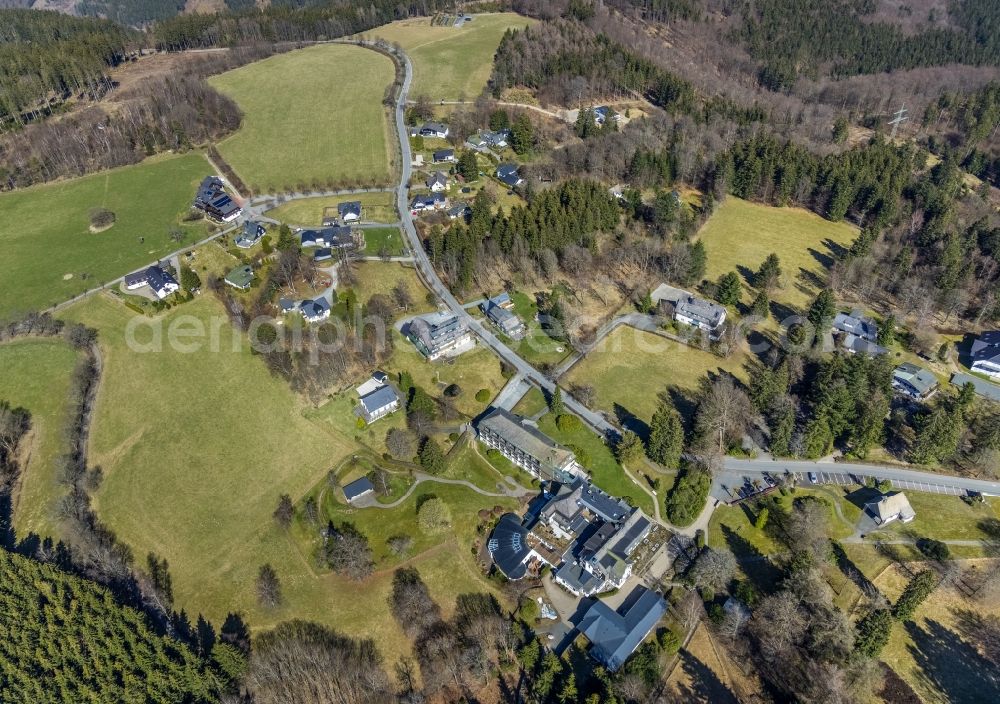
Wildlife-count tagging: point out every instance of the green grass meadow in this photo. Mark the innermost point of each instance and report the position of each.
(310, 114)
(308, 212)
(451, 63)
(740, 235)
(49, 253)
(35, 374)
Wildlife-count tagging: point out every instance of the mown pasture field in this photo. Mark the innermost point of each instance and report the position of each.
(311, 116)
(35, 374)
(451, 63)
(632, 371)
(308, 212)
(740, 235)
(49, 252)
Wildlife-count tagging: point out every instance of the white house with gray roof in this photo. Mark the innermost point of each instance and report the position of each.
(913, 381)
(439, 335)
(986, 354)
(701, 314)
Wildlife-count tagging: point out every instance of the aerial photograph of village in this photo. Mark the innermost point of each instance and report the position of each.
(499, 352)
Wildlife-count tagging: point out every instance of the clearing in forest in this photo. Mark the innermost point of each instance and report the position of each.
(740, 234)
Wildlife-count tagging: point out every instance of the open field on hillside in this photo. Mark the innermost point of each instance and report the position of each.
(311, 115)
(308, 212)
(49, 253)
(740, 235)
(388, 239)
(936, 652)
(630, 371)
(451, 63)
(35, 374)
(196, 449)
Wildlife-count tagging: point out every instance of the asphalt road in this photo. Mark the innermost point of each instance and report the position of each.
(430, 277)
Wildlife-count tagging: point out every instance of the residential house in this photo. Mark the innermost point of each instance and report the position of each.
(379, 403)
(615, 634)
(982, 387)
(241, 277)
(602, 113)
(159, 281)
(461, 210)
(315, 311)
(496, 139)
(433, 201)
(250, 234)
(213, 200)
(287, 305)
(437, 182)
(891, 508)
(986, 354)
(323, 254)
(859, 345)
(699, 313)
(349, 211)
(358, 488)
(336, 237)
(526, 446)
(503, 317)
(857, 333)
(913, 381)
(856, 324)
(439, 335)
(444, 155)
(434, 129)
(507, 175)
(508, 546)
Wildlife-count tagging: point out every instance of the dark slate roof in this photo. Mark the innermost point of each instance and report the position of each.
(314, 308)
(286, 304)
(322, 254)
(986, 348)
(507, 173)
(155, 277)
(434, 127)
(578, 577)
(864, 346)
(699, 309)
(357, 488)
(428, 201)
(604, 505)
(379, 399)
(380, 376)
(635, 528)
(614, 635)
(508, 546)
(857, 325)
(443, 154)
(351, 207)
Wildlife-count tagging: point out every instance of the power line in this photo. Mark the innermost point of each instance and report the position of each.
(899, 118)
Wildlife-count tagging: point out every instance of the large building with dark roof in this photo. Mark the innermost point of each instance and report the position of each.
(159, 281)
(508, 546)
(525, 445)
(213, 200)
(614, 635)
(439, 334)
(986, 354)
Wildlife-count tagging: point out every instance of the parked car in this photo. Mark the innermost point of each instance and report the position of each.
(813, 478)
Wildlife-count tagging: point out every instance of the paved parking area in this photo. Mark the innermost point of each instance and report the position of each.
(845, 479)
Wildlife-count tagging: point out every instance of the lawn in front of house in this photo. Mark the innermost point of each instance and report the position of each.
(49, 252)
(309, 212)
(35, 374)
(943, 517)
(384, 239)
(537, 347)
(451, 63)
(472, 371)
(740, 234)
(312, 116)
(598, 460)
(632, 370)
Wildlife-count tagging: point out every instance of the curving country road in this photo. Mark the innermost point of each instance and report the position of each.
(430, 277)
